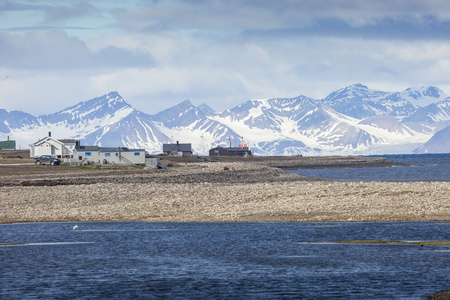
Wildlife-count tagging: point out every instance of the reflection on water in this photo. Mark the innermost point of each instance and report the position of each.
(222, 260)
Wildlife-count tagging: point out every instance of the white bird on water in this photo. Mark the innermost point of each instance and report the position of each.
(75, 227)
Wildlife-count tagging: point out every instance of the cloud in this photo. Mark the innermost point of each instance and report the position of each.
(222, 52)
(386, 29)
(50, 50)
(6, 5)
(415, 19)
(40, 93)
(69, 11)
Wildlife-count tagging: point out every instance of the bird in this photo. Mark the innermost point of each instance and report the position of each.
(75, 227)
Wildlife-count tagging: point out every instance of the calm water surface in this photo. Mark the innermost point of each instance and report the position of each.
(222, 261)
(423, 167)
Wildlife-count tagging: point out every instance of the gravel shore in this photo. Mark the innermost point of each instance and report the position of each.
(211, 192)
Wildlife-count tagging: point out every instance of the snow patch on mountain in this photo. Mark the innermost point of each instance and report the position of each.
(423, 96)
(352, 120)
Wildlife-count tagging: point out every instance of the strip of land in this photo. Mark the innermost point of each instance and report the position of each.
(229, 190)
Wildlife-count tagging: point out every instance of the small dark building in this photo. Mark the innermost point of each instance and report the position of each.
(218, 151)
(8, 145)
(231, 151)
(177, 149)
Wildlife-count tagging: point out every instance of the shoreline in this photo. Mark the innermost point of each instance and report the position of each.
(224, 191)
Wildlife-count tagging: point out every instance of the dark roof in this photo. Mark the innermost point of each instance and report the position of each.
(177, 147)
(107, 149)
(238, 149)
(218, 147)
(94, 148)
(114, 149)
(231, 148)
(233, 151)
(118, 149)
(67, 141)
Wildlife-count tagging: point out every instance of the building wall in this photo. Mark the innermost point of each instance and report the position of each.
(239, 152)
(49, 147)
(68, 149)
(135, 156)
(218, 151)
(112, 157)
(177, 149)
(234, 151)
(91, 156)
(8, 145)
(42, 149)
(123, 157)
(152, 163)
(52, 147)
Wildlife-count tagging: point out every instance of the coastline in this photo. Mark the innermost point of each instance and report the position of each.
(231, 190)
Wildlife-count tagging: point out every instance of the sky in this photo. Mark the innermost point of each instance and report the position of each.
(156, 53)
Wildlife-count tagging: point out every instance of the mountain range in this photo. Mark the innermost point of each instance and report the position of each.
(354, 120)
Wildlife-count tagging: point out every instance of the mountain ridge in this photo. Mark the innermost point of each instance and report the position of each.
(351, 120)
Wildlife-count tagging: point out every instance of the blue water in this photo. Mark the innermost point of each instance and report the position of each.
(423, 167)
(222, 261)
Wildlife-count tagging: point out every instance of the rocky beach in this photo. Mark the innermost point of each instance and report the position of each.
(229, 190)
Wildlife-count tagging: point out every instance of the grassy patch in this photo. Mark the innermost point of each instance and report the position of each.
(367, 242)
(438, 243)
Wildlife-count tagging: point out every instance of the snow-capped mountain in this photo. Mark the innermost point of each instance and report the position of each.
(423, 96)
(207, 110)
(294, 125)
(14, 119)
(136, 130)
(352, 120)
(106, 120)
(360, 102)
(430, 118)
(187, 123)
(439, 143)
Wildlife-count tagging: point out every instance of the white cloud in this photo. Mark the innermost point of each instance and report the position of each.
(51, 50)
(218, 52)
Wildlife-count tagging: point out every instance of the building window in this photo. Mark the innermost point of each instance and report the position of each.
(107, 154)
(88, 154)
(117, 154)
(137, 153)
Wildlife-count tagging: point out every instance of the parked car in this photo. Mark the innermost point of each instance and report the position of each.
(47, 159)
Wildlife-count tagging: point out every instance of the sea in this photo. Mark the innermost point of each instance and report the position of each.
(259, 260)
(420, 167)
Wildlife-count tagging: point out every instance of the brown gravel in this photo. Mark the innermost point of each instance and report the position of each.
(206, 192)
(444, 295)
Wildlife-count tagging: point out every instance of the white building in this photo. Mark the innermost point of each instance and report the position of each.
(50, 146)
(73, 153)
(110, 155)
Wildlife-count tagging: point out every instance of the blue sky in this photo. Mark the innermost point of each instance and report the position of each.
(56, 53)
